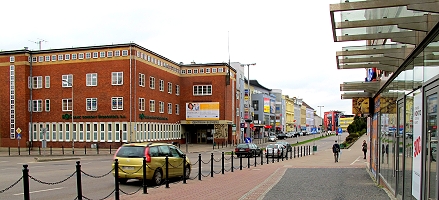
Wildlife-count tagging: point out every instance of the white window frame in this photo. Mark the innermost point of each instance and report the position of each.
(88, 128)
(170, 108)
(61, 133)
(151, 105)
(116, 53)
(183, 71)
(116, 78)
(124, 52)
(53, 57)
(67, 80)
(47, 81)
(201, 70)
(102, 54)
(34, 59)
(95, 55)
(177, 109)
(177, 90)
(189, 71)
(67, 104)
(37, 105)
(169, 88)
(81, 131)
(40, 58)
(151, 82)
(91, 79)
(202, 90)
(95, 134)
(161, 85)
(53, 132)
(161, 107)
(60, 57)
(67, 57)
(91, 104)
(117, 103)
(109, 54)
(207, 70)
(141, 80)
(220, 70)
(213, 70)
(11, 58)
(81, 56)
(47, 58)
(142, 104)
(47, 105)
(195, 71)
(109, 131)
(87, 55)
(74, 56)
(37, 82)
(102, 131)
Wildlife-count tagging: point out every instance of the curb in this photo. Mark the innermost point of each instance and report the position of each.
(39, 159)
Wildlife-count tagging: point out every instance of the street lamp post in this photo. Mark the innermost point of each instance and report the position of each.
(249, 99)
(71, 128)
(321, 125)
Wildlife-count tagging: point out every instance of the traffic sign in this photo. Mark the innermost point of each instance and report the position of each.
(340, 130)
(18, 130)
(18, 136)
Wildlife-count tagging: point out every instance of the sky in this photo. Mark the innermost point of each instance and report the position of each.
(290, 41)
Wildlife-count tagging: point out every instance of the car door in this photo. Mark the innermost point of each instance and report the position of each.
(164, 151)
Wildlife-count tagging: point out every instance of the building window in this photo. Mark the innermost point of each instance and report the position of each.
(81, 56)
(87, 55)
(177, 109)
(220, 70)
(189, 71)
(67, 57)
(92, 79)
(162, 107)
(12, 59)
(162, 86)
(151, 105)
(200, 90)
(183, 71)
(117, 78)
(67, 105)
(151, 82)
(141, 80)
(47, 58)
(40, 58)
(141, 104)
(92, 104)
(149, 58)
(117, 103)
(124, 52)
(34, 59)
(255, 105)
(170, 108)
(73, 56)
(53, 57)
(177, 90)
(109, 54)
(60, 57)
(37, 82)
(47, 81)
(169, 87)
(37, 105)
(213, 70)
(117, 53)
(195, 71)
(67, 80)
(47, 106)
(95, 54)
(201, 70)
(102, 54)
(207, 70)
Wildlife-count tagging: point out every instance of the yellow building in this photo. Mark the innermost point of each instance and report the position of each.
(344, 122)
(303, 117)
(289, 112)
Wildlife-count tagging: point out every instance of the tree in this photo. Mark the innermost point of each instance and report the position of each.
(358, 125)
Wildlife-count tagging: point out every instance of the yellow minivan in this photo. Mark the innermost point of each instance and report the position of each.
(130, 158)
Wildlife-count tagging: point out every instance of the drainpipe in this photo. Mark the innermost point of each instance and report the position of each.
(131, 97)
(31, 103)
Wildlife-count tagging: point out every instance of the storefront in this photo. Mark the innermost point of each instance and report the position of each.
(207, 131)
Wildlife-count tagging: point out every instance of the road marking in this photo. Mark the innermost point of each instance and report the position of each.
(3, 161)
(40, 191)
(356, 160)
(8, 169)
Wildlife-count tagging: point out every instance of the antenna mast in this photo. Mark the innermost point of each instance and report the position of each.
(38, 42)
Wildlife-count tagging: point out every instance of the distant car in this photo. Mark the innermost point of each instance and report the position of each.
(276, 150)
(247, 150)
(304, 133)
(409, 135)
(289, 134)
(281, 136)
(286, 145)
(296, 134)
(272, 138)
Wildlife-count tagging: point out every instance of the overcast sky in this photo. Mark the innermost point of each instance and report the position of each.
(290, 41)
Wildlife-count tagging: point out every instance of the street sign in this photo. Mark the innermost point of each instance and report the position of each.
(340, 130)
(18, 136)
(18, 130)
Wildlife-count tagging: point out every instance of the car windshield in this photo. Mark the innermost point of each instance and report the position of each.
(131, 152)
(272, 136)
(242, 146)
(272, 146)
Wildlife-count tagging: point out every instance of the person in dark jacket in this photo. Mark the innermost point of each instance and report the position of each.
(364, 148)
(336, 150)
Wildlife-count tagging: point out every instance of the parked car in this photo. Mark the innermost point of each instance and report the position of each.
(289, 134)
(303, 133)
(272, 138)
(275, 150)
(286, 145)
(296, 134)
(247, 150)
(130, 158)
(281, 136)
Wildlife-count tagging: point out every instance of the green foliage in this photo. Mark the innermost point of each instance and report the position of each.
(358, 125)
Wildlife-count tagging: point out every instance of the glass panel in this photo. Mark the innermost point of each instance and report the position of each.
(408, 147)
(431, 144)
(430, 60)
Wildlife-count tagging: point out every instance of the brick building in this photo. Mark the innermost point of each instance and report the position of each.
(111, 94)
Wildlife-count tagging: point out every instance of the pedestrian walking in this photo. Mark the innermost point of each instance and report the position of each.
(364, 148)
(336, 150)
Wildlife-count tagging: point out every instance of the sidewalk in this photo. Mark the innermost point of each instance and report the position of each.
(255, 182)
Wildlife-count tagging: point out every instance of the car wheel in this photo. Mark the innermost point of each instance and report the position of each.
(188, 171)
(157, 177)
(123, 180)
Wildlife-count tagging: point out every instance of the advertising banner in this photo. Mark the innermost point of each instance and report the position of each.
(266, 105)
(272, 106)
(417, 146)
(360, 105)
(202, 111)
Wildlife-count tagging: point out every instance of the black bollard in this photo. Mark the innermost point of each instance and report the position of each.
(282, 154)
(62, 148)
(199, 167)
(272, 156)
(266, 155)
(248, 161)
(26, 193)
(39, 151)
(9, 151)
(78, 180)
(231, 159)
(286, 154)
(97, 149)
(85, 150)
(262, 158)
(240, 162)
(110, 149)
(211, 165)
(18, 151)
(144, 185)
(222, 162)
(116, 179)
(50, 150)
(255, 158)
